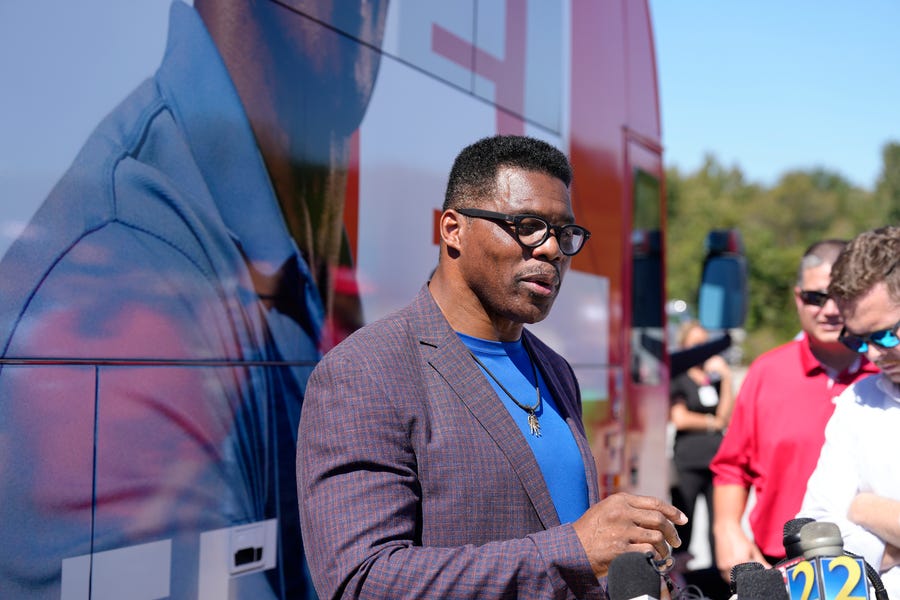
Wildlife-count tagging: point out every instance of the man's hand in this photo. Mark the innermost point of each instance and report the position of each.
(627, 523)
(733, 547)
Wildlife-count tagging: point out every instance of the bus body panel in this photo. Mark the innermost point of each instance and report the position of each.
(580, 75)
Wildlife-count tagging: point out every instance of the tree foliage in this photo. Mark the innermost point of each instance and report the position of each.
(887, 190)
(777, 224)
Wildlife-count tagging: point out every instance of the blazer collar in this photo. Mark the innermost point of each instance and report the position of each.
(447, 355)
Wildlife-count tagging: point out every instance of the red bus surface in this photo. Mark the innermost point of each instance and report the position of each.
(146, 430)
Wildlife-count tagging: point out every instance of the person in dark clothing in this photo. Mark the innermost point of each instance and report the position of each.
(701, 403)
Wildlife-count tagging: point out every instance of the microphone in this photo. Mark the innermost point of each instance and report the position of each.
(761, 584)
(738, 571)
(791, 537)
(820, 539)
(633, 577)
(792, 546)
(826, 571)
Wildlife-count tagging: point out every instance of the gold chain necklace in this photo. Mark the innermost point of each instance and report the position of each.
(533, 423)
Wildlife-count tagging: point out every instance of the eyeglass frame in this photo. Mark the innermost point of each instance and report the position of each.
(516, 220)
(868, 338)
(823, 297)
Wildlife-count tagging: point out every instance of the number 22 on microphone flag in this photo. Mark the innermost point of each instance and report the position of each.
(828, 578)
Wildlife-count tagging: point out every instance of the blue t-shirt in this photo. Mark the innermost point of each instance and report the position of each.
(556, 452)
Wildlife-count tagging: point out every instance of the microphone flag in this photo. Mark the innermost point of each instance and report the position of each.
(826, 572)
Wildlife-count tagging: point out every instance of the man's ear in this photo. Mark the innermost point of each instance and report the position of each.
(797, 301)
(449, 227)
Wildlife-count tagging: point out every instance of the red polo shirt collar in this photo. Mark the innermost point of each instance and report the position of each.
(811, 364)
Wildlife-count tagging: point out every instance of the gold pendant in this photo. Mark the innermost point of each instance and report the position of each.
(534, 425)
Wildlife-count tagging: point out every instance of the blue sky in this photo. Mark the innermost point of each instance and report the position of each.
(774, 85)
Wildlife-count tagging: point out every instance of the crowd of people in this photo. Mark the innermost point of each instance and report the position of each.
(807, 435)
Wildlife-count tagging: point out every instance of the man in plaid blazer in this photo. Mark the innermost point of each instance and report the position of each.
(425, 467)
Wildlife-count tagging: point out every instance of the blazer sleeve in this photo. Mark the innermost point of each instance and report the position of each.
(359, 503)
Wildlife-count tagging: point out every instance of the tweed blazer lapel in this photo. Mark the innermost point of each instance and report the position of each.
(442, 349)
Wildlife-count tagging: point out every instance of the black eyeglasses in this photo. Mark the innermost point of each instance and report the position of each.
(814, 298)
(532, 230)
(886, 338)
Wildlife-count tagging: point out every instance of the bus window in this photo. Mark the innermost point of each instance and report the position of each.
(648, 347)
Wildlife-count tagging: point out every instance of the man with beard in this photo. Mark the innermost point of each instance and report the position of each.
(441, 451)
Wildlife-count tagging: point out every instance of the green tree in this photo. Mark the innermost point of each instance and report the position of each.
(709, 199)
(887, 189)
(776, 223)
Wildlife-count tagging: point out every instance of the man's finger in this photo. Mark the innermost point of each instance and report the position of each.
(656, 521)
(655, 504)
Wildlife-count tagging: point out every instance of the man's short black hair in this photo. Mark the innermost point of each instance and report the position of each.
(474, 173)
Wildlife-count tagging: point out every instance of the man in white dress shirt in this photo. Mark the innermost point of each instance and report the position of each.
(856, 483)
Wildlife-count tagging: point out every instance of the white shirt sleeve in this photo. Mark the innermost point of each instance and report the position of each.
(838, 478)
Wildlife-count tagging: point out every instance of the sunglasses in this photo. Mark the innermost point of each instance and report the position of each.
(885, 338)
(814, 298)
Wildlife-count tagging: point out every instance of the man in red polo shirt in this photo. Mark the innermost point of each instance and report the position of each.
(777, 429)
